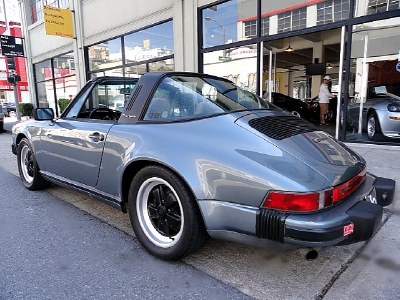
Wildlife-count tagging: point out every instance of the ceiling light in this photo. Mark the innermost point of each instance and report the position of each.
(289, 49)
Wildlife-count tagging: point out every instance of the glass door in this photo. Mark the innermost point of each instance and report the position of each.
(373, 113)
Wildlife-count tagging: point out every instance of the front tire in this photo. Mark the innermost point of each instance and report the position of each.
(28, 168)
(373, 127)
(164, 214)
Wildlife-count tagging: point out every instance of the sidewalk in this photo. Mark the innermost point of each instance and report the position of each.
(372, 272)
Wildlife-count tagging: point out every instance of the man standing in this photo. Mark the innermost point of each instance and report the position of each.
(324, 96)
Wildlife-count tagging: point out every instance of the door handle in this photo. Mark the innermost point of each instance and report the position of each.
(96, 137)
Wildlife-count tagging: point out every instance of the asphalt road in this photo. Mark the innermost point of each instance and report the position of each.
(49, 249)
(81, 245)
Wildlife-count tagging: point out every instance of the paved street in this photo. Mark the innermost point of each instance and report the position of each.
(58, 245)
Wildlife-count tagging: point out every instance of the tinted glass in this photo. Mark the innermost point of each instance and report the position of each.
(180, 97)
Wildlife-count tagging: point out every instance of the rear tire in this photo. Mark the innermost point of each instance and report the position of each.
(329, 115)
(28, 168)
(164, 214)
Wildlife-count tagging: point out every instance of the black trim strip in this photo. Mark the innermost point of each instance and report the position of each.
(85, 189)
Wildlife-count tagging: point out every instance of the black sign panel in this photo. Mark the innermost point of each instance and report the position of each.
(11, 45)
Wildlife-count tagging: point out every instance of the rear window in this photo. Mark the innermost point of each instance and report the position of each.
(180, 97)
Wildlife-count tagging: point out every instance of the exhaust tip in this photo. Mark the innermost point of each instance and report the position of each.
(312, 254)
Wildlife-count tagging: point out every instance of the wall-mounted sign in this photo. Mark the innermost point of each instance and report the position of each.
(11, 45)
(146, 44)
(58, 21)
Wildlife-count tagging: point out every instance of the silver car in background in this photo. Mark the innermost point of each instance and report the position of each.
(380, 116)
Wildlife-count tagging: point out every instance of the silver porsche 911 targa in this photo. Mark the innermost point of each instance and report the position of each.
(192, 156)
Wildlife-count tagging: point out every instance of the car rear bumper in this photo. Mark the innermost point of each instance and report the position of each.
(349, 222)
(356, 219)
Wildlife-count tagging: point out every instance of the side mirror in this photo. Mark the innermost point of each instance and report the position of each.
(43, 114)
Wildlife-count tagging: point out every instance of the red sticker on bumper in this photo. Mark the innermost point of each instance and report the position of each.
(348, 229)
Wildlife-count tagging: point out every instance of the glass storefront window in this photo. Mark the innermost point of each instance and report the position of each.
(112, 72)
(332, 11)
(141, 48)
(43, 95)
(37, 7)
(237, 64)
(105, 55)
(150, 43)
(373, 112)
(229, 22)
(43, 70)
(55, 79)
(279, 16)
(370, 7)
(292, 20)
(162, 65)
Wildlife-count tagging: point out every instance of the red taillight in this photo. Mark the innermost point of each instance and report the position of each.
(347, 188)
(293, 202)
(312, 201)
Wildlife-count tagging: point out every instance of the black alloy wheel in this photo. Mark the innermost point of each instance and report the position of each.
(164, 214)
(28, 168)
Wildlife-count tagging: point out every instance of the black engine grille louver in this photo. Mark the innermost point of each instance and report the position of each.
(270, 225)
(282, 127)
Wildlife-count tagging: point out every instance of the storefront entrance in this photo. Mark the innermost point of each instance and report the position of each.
(293, 69)
(373, 113)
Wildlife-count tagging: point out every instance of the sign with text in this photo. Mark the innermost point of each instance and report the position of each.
(58, 21)
(146, 44)
(11, 45)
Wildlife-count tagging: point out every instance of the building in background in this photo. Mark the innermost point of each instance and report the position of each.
(10, 25)
(262, 45)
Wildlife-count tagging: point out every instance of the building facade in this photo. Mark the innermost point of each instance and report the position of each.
(265, 46)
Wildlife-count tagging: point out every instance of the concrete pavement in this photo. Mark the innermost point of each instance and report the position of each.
(367, 270)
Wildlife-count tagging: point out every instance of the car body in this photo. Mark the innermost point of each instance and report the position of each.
(380, 116)
(295, 106)
(192, 156)
(9, 109)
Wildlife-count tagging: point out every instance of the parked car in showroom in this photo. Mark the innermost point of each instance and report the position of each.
(9, 109)
(380, 114)
(192, 156)
(295, 106)
(330, 116)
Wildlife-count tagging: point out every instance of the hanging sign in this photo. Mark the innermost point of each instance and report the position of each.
(11, 46)
(58, 21)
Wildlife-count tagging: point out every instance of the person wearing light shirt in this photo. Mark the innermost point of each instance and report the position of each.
(324, 96)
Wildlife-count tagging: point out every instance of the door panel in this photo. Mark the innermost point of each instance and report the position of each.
(74, 149)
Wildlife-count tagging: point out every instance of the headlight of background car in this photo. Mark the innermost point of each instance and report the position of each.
(394, 107)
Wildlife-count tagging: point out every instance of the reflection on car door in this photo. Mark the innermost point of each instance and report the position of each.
(74, 148)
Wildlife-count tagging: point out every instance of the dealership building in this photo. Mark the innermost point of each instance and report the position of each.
(264, 46)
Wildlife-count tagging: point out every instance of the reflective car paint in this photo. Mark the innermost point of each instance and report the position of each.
(229, 161)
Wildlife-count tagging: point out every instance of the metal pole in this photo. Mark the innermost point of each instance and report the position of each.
(16, 102)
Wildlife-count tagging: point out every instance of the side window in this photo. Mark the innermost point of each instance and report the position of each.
(103, 101)
(75, 109)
